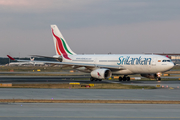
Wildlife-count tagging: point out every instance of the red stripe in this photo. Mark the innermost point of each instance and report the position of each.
(57, 49)
(10, 57)
(60, 46)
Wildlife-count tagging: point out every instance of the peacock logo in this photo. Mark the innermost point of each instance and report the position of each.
(98, 74)
(61, 47)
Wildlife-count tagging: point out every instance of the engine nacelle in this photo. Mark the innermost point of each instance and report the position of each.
(101, 73)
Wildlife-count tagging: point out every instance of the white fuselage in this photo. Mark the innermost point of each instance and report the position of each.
(133, 64)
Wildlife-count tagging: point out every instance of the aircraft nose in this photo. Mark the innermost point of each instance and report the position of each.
(171, 65)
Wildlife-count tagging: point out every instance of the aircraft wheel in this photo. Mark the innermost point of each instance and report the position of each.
(158, 79)
(124, 78)
(91, 79)
(120, 78)
(128, 78)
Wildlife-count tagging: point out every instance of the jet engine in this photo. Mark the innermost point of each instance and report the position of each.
(101, 73)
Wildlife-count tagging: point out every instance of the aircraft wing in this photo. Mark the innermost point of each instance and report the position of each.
(41, 56)
(73, 64)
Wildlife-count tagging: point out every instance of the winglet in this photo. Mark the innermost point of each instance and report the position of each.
(10, 57)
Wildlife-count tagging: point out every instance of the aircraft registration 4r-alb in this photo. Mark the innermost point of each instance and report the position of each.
(103, 66)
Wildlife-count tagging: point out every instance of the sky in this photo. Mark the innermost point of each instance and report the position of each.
(90, 26)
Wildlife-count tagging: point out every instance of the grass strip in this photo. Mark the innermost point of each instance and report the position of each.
(89, 101)
(68, 86)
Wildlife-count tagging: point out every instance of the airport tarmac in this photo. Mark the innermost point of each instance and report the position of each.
(83, 79)
(81, 111)
(89, 111)
(165, 84)
(90, 94)
(25, 79)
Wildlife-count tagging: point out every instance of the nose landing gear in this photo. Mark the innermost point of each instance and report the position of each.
(158, 79)
(157, 76)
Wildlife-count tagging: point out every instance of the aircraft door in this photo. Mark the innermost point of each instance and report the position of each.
(154, 62)
(95, 61)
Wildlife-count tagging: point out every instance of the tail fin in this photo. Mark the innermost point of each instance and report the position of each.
(61, 46)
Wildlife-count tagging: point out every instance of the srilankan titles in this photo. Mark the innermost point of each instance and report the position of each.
(134, 61)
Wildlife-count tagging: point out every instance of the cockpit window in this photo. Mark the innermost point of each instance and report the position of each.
(166, 60)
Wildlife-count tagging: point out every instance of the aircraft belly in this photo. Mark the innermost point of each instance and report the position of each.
(140, 69)
(122, 72)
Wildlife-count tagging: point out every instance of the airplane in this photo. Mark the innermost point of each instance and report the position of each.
(31, 62)
(103, 66)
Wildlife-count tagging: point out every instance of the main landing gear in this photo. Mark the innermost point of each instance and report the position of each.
(95, 79)
(125, 78)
